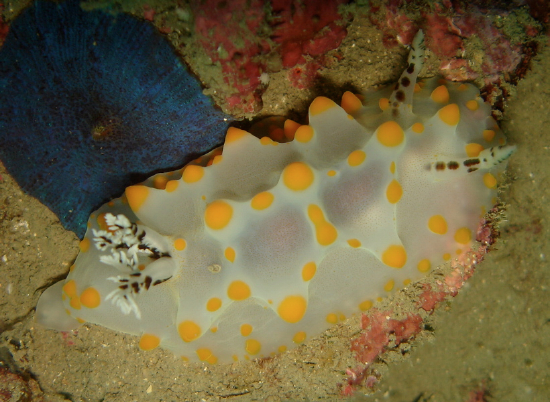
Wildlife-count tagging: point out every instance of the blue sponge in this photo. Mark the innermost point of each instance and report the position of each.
(92, 102)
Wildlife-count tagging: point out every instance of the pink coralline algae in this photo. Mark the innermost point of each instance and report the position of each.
(241, 35)
(379, 329)
(450, 29)
(380, 332)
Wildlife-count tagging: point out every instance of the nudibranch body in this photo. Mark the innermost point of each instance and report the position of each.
(253, 250)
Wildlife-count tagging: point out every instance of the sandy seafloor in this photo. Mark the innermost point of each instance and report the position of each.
(495, 335)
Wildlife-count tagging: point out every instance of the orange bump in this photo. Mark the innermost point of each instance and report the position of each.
(418, 128)
(473, 149)
(189, 331)
(70, 288)
(489, 180)
(463, 236)
(388, 287)
(230, 254)
(238, 290)
(159, 182)
(213, 304)
(234, 134)
(136, 196)
(450, 114)
(298, 176)
(384, 103)
(390, 134)
(267, 141)
(394, 192)
(356, 158)
(172, 185)
(325, 232)
(354, 243)
(252, 346)
(75, 303)
(262, 200)
(394, 256)
(366, 305)
(440, 94)
(90, 298)
(218, 214)
(84, 245)
(304, 133)
(299, 337)
(308, 271)
(437, 224)
(290, 128)
(101, 221)
(351, 103)
(246, 329)
(206, 355)
(488, 135)
(292, 309)
(149, 342)
(180, 244)
(192, 173)
(472, 105)
(331, 318)
(320, 105)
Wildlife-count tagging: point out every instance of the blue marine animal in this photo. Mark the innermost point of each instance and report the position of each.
(91, 102)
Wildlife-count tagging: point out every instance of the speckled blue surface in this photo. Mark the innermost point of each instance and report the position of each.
(66, 74)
